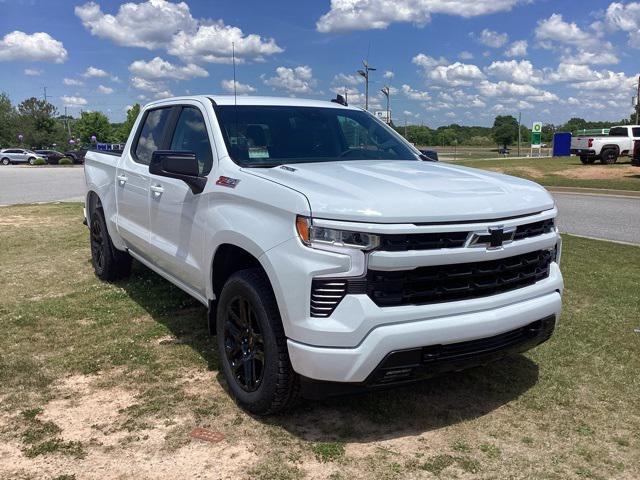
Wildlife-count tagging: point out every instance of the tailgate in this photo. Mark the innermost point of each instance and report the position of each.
(581, 143)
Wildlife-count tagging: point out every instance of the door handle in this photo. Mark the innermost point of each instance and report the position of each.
(122, 179)
(156, 189)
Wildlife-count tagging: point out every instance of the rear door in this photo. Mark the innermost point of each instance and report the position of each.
(177, 231)
(132, 179)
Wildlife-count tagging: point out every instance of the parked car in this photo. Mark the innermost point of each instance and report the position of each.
(76, 155)
(606, 148)
(18, 155)
(330, 257)
(52, 156)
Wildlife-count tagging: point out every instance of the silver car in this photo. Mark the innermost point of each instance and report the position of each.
(18, 155)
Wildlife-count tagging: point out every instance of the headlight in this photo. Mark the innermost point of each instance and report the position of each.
(314, 236)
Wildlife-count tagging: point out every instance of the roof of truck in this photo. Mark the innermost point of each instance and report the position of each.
(251, 100)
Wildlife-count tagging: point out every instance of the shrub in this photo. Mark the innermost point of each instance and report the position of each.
(39, 161)
(65, 161)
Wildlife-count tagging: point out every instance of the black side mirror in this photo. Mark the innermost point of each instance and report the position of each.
(180, 165)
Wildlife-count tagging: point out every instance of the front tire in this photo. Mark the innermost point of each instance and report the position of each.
(108, 262)
(609, 156)
(587, 160)
(32, 161)
(252, 345)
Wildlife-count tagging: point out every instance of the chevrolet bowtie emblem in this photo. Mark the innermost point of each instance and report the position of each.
(492, 238)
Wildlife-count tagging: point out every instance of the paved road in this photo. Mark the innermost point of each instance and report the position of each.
(597, 216)
(600, 216)
(21, 184)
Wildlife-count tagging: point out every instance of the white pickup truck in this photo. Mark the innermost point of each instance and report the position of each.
(607, 148)
(330, 255)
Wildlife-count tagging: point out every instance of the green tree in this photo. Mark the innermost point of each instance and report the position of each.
(505, 130)
(94, 123)
(36, 121)
(8, 117)
(125, 128)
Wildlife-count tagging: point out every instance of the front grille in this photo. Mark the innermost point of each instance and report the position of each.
(443, 283)
(326, 295)
(422, 241)
(534, 229)
(438, 240)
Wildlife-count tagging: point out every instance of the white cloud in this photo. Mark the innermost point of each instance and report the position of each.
(517, 49)
(464, 55)
(105, 90)
(161, 24)
(213, 43)
(608, 81)
(555, 29)
(346, 15)
(570, 72)
(93, 72)
(72, 82)
(507, 90)
(162, 69)
(150, 24)
(37, 47)
(32, 72)
(159, 89)
(625, 17)
(241, 88)
(344, 79)
(584, 57)
(456, 74)
(514, 71)
(292, 80)
(73, 101)
(412, 94)
(426, 62)
(388, 74)
(493, 39)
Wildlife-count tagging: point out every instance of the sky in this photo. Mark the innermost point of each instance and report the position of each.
(445, 61)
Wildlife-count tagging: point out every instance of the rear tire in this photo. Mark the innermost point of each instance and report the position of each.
(6, 161)
(609, 156)
(587, 160)
(108, 262)
(252, 345)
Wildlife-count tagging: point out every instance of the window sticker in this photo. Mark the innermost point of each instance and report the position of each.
(258, 152)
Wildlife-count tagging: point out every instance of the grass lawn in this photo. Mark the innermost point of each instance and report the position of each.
(565, 172)
(107, 381)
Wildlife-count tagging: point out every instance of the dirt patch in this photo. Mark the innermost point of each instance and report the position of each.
(528, 171)
(28, 221)
(596, 172)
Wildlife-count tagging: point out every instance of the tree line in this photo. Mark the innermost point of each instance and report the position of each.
(36, 123)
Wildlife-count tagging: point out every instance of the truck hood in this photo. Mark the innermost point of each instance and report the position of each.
(408, 191)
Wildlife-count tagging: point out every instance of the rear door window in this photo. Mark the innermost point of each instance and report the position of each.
(151, 134)
(619, 132)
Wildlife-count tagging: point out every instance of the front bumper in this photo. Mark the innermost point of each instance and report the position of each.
(356, 365)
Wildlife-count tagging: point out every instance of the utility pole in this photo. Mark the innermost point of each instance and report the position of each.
(638, 101)
(405, 127)
(387, 93)
(45, 93)
(365, 73)
(519, 131)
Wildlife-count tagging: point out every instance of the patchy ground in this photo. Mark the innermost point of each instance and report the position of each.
(102, 381)
(565, 172)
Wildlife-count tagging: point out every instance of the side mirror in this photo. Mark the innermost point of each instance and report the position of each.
(180, 165)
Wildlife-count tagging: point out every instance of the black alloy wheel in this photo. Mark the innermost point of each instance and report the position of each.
(244, 344)
(98, 245)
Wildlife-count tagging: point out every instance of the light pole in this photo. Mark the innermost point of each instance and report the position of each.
(365, 73)
(387, 93)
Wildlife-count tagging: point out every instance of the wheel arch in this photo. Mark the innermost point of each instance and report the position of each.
(609, 147)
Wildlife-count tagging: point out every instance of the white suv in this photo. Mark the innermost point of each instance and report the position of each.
(18, 155)
(330, 255)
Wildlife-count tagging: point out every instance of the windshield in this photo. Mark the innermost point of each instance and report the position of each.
(264, 136)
